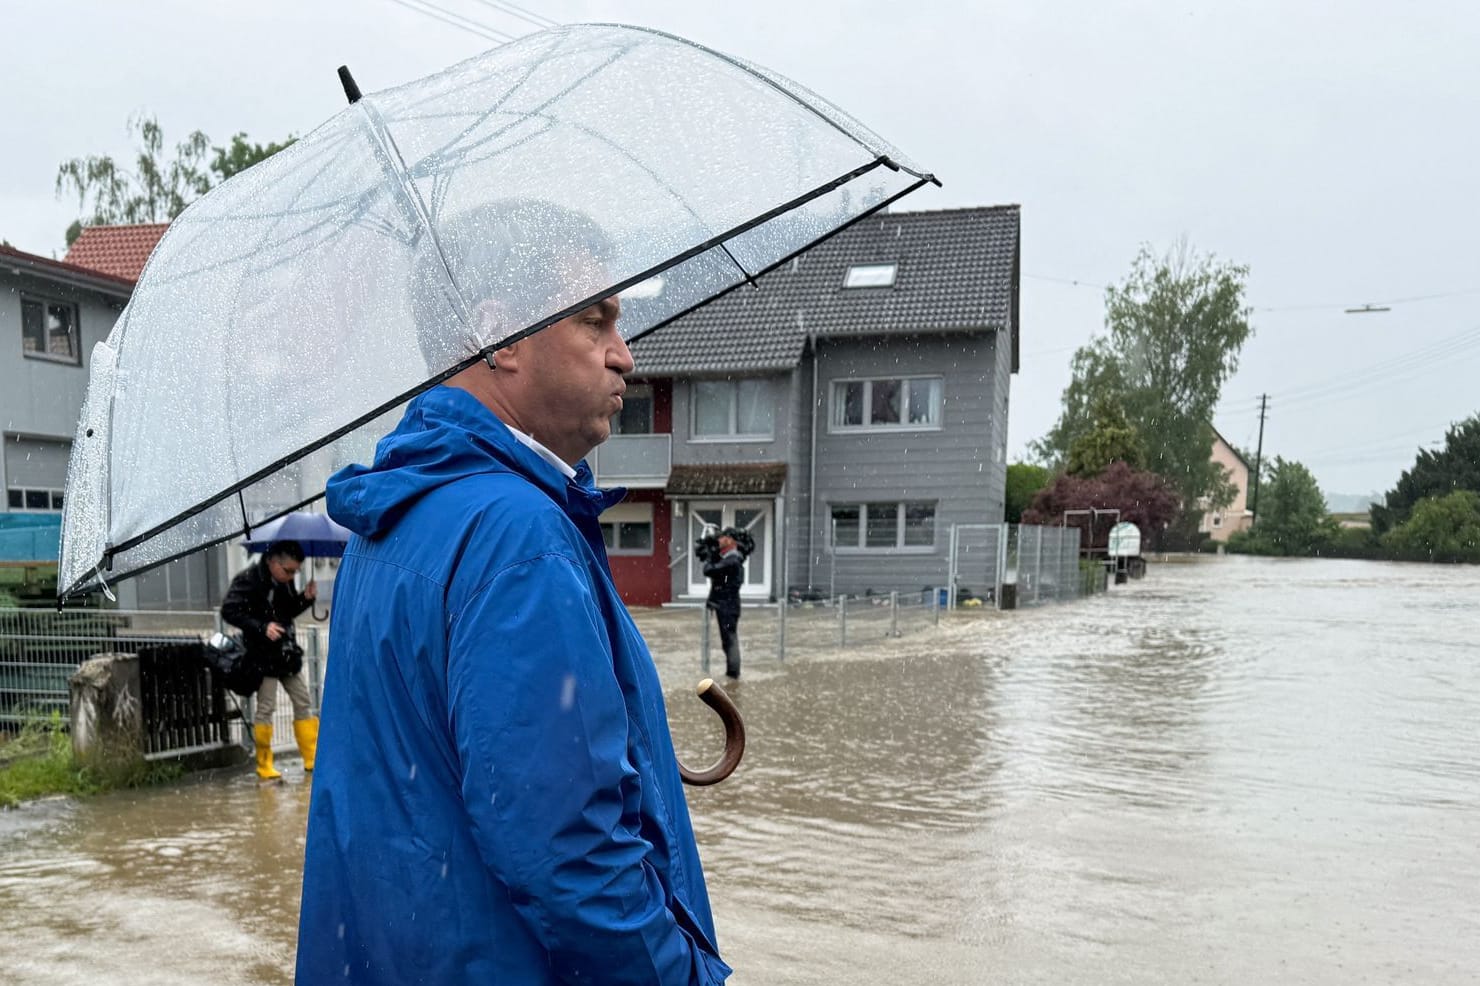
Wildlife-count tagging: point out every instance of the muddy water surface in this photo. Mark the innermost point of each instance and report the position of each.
(1239, 771)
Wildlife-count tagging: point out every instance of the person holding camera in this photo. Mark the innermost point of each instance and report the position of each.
(725, 569)
(263, 602)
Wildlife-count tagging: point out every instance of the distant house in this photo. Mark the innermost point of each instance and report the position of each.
(1220, 524)
(847, 411)
(52, 312)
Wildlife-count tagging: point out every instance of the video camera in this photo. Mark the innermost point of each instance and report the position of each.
(706, 547)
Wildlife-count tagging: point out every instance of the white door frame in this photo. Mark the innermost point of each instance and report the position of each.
(765, 528)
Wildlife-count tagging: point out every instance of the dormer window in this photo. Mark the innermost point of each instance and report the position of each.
(870, 276)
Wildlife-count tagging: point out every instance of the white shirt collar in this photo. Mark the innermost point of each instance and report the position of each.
(529, 442)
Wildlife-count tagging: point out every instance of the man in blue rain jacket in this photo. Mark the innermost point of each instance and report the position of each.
(497, 798)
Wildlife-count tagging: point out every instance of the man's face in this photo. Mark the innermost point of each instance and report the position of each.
(575, 380)
(726, 543)
(282, 568)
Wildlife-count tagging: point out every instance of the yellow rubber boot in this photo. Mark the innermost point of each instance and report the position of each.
(262, 737)
(306, 732)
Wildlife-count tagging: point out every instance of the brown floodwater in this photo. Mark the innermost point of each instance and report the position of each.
(1236, 771)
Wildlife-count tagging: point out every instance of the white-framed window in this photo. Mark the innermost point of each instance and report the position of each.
(894, 525)
(627, 529)
(1217, 520)
(870, 276)
(636, 415)
(733, 409)
(906, 403)
(30, 499)
(49, 330)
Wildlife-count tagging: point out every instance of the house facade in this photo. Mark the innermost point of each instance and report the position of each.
(1221, 524)
(52, 313)
(847, 411)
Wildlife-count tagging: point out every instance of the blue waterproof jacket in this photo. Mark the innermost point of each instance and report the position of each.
(496, 798)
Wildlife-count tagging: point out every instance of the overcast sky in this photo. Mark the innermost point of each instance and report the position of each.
(1331, 147)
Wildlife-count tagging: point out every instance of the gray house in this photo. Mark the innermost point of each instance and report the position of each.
(52, 312)
(847, 411)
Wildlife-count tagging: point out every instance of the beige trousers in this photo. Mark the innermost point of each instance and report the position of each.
(297, 690)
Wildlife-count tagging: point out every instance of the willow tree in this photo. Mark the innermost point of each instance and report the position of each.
(159, 185)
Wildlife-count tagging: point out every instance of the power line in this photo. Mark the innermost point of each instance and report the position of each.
(1409, 300)
(513, 9)
(455, 19)
(1383, 373)
(1079, 282)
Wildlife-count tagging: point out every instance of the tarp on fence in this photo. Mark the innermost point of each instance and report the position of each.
(30, 537)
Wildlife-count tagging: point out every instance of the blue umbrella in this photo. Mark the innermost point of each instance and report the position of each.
(319, 536)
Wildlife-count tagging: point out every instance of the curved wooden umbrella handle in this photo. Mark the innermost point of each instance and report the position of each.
(714, 697)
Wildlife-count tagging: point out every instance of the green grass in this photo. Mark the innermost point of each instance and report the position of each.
(38, 761)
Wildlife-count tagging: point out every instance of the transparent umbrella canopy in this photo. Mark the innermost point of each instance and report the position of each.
(288, 313)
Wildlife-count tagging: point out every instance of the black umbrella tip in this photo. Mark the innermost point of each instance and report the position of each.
(351, 90)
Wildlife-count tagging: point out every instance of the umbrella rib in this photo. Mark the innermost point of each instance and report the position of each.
(440, 153)
(872, 210)
(738, 264)
(749, 70)
(412, 194)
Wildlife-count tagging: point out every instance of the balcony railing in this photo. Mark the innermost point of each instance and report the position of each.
(635, 461)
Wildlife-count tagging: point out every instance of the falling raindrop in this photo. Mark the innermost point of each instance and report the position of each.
(568, 692)
(412, 775)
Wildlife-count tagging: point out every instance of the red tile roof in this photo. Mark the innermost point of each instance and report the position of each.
(33, 261)
(117, 250)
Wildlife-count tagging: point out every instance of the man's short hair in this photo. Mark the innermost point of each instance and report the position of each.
(527, 257)
(285, 549)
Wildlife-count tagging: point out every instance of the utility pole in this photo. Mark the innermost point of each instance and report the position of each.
(1258, 464)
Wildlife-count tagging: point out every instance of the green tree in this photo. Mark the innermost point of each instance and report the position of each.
(241, 154)
(1110, 438)
(1434, 473)
(1293, 519)
(1439, 528)
(1024, 480)
(1174, 330)
(156, 190)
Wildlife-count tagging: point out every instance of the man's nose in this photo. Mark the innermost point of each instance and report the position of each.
(619, 357)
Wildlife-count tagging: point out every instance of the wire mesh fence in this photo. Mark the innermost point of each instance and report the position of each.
(1012, 565)
(40, 650)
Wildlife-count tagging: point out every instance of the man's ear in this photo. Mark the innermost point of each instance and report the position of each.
(512, 356)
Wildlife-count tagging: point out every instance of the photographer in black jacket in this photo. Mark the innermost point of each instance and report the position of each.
(262, 602)
(724, 565)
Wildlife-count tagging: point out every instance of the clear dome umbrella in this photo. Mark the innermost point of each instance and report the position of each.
(286, 315)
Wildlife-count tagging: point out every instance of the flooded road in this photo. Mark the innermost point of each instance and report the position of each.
(1236, 771)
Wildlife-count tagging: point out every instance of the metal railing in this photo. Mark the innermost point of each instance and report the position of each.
(633, 460)
(184, 709)
(771, 632)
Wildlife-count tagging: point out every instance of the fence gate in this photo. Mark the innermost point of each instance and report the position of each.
(977, 562)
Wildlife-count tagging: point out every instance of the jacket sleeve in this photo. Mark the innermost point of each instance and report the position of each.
(236, 608)
(300, 603)
(541, 729)
(722, 565)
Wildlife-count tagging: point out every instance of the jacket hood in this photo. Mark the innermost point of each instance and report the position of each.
(445, 435)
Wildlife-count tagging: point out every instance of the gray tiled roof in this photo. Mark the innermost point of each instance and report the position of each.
(957, 271)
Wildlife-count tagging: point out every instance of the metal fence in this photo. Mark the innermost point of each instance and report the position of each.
(184, 710)
(1046, 564)
(769, 633)
(1019, 565)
